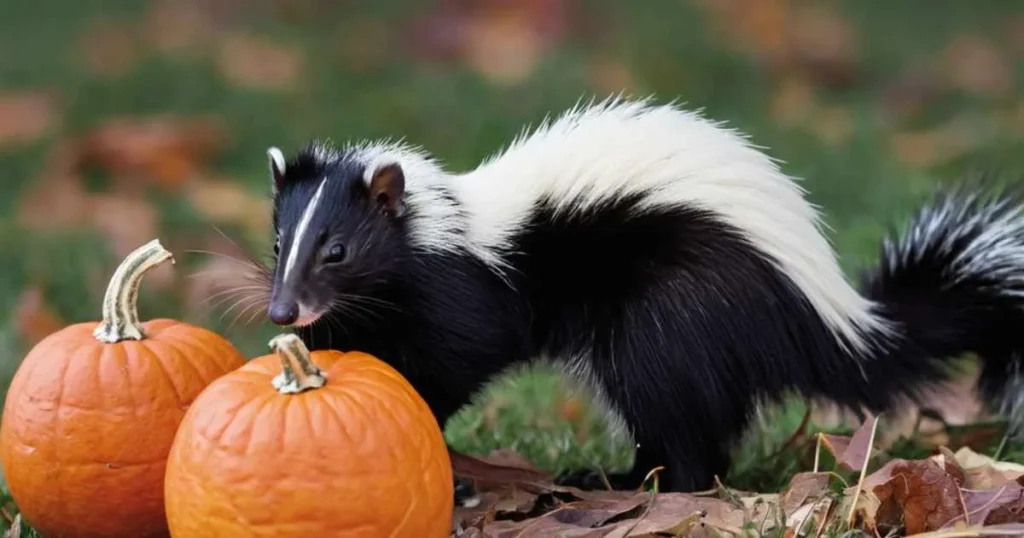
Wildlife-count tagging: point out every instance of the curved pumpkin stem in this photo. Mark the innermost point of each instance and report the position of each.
(298, 373)
(120, 304)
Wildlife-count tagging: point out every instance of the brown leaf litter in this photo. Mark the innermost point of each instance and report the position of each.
(945, 495)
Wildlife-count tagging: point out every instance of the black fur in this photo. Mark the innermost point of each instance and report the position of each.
(681, 322)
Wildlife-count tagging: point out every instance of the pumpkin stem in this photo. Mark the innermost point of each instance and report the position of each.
(298, 373)
(120, 304)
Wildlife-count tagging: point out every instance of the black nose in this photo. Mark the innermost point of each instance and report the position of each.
(284, 313)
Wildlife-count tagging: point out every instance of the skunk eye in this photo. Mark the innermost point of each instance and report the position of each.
(335, 254)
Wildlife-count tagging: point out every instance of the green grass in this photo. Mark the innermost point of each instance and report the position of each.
(668, 48)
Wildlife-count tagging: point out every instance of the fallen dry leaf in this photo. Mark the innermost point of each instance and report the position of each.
(792, 101)
(975, 64)
(833, 125)
(956, 137)
(26, 116)
(823, 44)
(983, 472)
(227, 201)
(812, 40)
(176, 27)
(166, 150)
(851, 452)
(503, 41)
(640, 515)
(517, 499)
(58, 185)
(760, 27)
(502, 49)
(609, 75)
(33, 318)
(903, 497)
(803, 487)
(919, 496)
(1003, 504)
(253, 62)
(502, 468)
(814, 521)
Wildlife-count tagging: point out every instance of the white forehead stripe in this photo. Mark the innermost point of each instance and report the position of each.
(277, 158)
(300, 229)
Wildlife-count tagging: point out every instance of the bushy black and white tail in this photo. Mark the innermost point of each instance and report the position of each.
(953, 283)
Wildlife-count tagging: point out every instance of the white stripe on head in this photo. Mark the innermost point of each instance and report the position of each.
(277, 159)
(300, 228)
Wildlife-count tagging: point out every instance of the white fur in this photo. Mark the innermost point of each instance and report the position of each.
(618, 147)
(436, 225)
(276, 160)
(985, 238)
(300, 228)
(674, 156)
(996, 253)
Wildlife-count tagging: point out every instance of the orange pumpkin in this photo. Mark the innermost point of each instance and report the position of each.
(92, 410)
(298, 444)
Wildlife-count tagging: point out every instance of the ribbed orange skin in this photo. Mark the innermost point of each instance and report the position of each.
(87, 425)
(361, 456)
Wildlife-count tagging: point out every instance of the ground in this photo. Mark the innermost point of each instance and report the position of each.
(147, 119)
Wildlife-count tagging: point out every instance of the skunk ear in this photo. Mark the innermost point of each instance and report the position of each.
(277, 168)
(387, 189)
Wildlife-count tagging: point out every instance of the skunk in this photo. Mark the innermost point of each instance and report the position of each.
(657, 256)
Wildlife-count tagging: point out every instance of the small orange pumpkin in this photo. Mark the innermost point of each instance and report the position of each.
(93, 408)
(298, 444)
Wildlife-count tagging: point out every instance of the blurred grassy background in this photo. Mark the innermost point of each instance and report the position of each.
(122, 121)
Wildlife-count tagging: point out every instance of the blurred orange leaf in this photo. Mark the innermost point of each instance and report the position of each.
(227, 201)
(975, 64)
(176, 27)
(815, 41)
(824, 46)
(26, 116)
(793, 101)
(956, 137)
(503, 41)
(34, 319)
(166, 150)
(612, 76)
(502, 46)
(833, 125)
(56, 199)
(259, 63)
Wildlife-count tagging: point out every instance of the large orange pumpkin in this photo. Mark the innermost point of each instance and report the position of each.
(298, 444)
(93, 408)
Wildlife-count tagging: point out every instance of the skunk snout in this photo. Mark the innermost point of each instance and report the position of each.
(283, 312)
